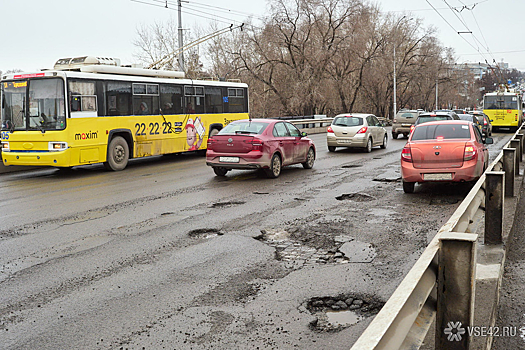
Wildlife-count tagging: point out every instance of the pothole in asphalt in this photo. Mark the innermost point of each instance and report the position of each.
(388, 179)
(358, 197)
(351, 166)
(226, 204)
(336, 313)
(297, 248)
(205, 233)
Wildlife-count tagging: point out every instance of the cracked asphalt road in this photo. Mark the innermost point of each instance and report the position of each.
(165, 255)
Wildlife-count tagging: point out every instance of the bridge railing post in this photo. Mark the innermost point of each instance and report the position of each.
(520, 137)
(515, 143)
(494, 206)
(509, 164)
(456, 290)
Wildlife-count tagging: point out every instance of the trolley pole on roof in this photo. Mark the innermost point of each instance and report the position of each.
(181, 43)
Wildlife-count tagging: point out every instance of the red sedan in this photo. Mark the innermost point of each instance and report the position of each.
(259, 144)
(444, 151)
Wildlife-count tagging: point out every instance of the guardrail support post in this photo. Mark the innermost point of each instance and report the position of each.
(494, 188)
(520, 138)
(455, 296)
(515, 143)
(509, 164)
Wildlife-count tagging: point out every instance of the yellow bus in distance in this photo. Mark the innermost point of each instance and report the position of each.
(504, 109)
(91, 110)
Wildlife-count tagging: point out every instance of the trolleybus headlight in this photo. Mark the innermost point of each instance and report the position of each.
(57, 146)
(5, 146)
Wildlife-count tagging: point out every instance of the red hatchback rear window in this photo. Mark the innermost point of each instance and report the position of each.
(444, 132)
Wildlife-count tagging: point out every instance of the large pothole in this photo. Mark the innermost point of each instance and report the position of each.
(336, 313)
(297, 247)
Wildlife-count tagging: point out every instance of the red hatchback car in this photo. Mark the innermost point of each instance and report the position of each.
(259, 144)
(444, 151)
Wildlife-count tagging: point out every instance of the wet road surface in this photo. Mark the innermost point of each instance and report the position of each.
(166, 255)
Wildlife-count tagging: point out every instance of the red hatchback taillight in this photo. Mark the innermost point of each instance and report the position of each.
(257, 145)
(330, 130)
(406, 154)
(211, 142)
(362, 130)
(470, 153)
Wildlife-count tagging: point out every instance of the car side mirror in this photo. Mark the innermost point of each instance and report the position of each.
(488, 141)
(304, 134)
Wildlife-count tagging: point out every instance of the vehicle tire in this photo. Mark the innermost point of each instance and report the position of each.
(331, 148)
(220, 171)
(275, 167)
(385, 142)
(118, 154)
(310, 159)
(368, 147)
(394, 135)
(408, 187)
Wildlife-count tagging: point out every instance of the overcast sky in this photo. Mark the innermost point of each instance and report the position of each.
(35, 33)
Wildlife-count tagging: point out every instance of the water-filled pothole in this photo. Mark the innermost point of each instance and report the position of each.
(343, 318)
(358, 197)
(205, 233)
(339, 312)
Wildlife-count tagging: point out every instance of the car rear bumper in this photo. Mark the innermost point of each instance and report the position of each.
(246, 161)
(401, 129)
(355, 141)
(470, 171)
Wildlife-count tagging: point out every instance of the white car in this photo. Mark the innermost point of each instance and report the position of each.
(356, 130)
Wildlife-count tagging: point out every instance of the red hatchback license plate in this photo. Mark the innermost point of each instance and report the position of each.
(437, 177)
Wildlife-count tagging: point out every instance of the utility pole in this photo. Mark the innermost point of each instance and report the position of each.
(181, 43)
(395, 84)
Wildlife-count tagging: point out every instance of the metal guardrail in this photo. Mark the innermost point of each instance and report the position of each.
(440, 286)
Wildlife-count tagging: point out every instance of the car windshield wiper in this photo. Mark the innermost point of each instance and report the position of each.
(338, 124)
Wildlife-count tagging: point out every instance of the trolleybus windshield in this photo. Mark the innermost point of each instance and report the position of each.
(501, 102)
(33, 104)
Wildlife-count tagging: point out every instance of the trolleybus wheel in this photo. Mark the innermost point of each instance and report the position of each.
(118, 154)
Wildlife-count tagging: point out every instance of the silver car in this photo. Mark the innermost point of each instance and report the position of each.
(356, 130)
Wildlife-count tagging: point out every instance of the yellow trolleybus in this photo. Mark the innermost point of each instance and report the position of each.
(91, 110)
(504, 108)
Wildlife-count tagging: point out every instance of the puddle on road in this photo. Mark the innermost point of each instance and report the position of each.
(351, 166)
(358, 252)
(334, 313)
(205, 233)
(343, 318)
(358, 197)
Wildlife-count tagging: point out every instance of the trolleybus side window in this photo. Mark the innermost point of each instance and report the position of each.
(213, 100)
(171, 99)
(118, 98)
(236, 100)
(83, 98)
(146, 99)
(194, 99)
